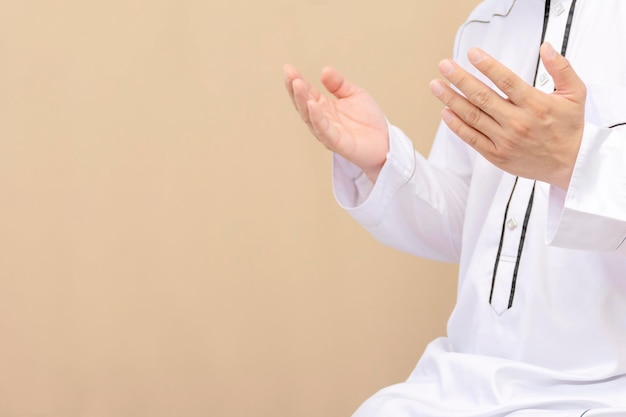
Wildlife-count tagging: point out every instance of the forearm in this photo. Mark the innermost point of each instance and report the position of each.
(416, 205)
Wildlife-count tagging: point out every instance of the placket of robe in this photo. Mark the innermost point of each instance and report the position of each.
(504, 283)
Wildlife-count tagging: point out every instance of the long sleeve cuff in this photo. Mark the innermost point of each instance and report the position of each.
(591, 214)
(367, 202)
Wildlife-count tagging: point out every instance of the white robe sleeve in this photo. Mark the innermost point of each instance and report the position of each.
(591, 215)
(416, 205)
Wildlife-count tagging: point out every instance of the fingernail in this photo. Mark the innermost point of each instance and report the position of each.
(435, 87)
(446, 67)
(550, 51)
(446, 115)
(475, 56)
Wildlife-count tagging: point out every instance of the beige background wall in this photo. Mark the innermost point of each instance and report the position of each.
(169, 243)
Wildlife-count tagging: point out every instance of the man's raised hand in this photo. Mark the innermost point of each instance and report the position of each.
(527, 133)
(350, 124)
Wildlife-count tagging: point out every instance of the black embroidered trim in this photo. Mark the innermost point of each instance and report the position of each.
(568, 26)
(495, 267)
(619, 124)
(520, 248)
(546, 18)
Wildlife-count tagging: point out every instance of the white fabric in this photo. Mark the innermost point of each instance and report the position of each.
(560, 350)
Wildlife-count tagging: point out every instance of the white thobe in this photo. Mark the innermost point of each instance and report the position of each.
(552, 341)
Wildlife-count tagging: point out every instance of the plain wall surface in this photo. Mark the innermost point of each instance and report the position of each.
(169, 242)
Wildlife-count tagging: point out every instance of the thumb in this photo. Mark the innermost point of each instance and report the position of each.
(566, 81)
(336, 83)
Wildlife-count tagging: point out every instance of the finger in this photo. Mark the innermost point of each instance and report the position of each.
(300, 97)
(468, 134)
(303, 92)
(321, 126)
(291, 73)
(463, 108)
(476, 91)
(513, 87)
(336, 83)
(566, 81)
(300, 90)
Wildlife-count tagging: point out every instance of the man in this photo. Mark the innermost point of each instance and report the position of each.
(525, 187)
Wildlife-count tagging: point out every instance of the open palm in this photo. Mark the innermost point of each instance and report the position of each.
(350, 124)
